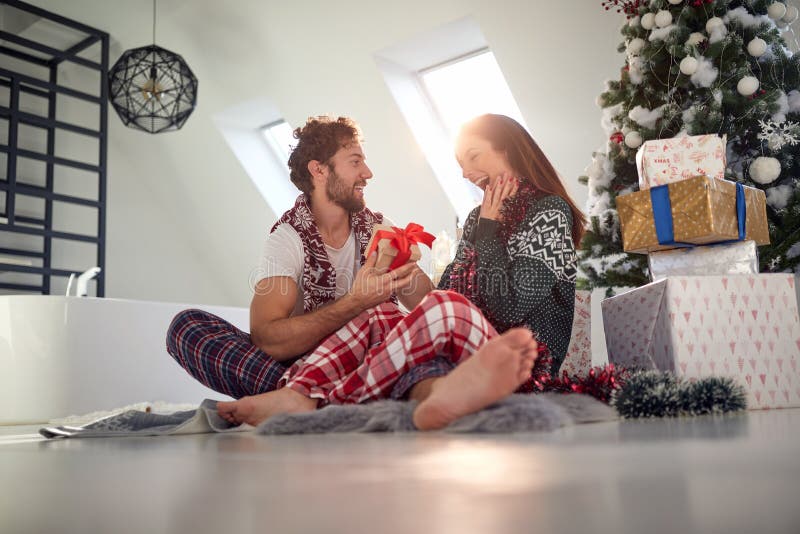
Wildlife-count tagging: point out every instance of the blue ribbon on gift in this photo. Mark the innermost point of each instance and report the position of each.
(662, 213)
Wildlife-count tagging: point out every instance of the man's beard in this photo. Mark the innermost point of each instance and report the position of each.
(342, 195)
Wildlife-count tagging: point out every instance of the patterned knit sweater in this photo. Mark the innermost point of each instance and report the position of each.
(529, 280)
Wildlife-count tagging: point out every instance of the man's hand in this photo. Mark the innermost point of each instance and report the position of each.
(494, 195)
(372, 287)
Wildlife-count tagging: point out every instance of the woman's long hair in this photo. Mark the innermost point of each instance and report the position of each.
(526, 159)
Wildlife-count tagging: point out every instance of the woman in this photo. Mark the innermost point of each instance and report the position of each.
(516, 264)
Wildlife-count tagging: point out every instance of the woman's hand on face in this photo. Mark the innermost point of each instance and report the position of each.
(495, 194)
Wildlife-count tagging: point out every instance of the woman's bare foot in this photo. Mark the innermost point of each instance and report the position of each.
(495, 370)
(258, 408)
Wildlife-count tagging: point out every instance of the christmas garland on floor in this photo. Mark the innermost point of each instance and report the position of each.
(662, 394)
(642, 393)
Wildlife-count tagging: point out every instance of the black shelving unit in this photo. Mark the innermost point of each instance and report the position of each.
(47, 58)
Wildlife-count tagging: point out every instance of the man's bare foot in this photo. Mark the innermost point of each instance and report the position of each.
(258, 408)
(495, 370)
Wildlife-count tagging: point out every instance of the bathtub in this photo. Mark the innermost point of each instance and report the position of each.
(64, 356)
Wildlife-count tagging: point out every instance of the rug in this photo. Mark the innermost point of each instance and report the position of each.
(517, 413)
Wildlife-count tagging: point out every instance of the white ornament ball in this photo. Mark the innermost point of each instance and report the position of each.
(600, 101)
(633, 139)
(695, 39)
(792, 14)
(765, 170)
(663, 19)
(776, 10)
(714, 23)
(648, 21)
(633, 22)
(675, 2)
(757, 47)
(748, 85)
(689, 65)
(635, 46)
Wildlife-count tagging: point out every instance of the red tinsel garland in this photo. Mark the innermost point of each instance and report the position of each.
(463, 275)
(599, 383)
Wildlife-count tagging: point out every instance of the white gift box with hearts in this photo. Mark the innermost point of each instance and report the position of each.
(664, 161)
(741, 326)
(578, 361)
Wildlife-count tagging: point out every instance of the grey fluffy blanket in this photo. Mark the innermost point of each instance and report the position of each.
(517, 413)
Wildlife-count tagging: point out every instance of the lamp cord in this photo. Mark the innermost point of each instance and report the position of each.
(154, 22)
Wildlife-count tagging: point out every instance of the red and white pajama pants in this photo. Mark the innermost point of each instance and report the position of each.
(364, 359)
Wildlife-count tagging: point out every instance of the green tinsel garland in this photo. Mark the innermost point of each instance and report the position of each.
(662, 394)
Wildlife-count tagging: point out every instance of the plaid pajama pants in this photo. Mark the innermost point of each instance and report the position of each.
(366, 359)
(220, 355)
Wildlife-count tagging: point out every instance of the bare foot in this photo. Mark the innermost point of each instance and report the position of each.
(495, 370)
(258, 408)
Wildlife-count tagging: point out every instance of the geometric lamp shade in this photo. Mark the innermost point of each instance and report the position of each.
(152, 89)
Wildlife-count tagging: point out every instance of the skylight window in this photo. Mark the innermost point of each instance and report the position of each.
(440, 79)
(468, 86)
(278, 136)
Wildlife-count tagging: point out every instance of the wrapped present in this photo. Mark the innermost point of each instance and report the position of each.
(578, 361)
(740, 257)
(697, 211)
(397, 246)
(665, 161)
(741, 326)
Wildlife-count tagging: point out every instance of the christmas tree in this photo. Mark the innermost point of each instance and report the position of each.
(699, 67)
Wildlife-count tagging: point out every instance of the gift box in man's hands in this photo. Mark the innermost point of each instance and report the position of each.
(741, 326)
(397, 246)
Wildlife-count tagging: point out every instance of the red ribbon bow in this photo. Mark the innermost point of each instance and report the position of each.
(402, 239)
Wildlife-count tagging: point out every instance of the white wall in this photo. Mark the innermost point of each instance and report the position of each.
(186, 224)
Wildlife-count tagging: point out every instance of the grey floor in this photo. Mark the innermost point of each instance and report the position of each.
(735, 474)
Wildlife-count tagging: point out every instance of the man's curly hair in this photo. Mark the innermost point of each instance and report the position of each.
(319, 140)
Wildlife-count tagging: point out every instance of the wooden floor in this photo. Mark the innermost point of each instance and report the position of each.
(736, 474)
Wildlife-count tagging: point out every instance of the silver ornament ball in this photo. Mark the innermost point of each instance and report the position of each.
(757, 47)
(633, 139)
(792, 14)
(689, 65)
(748, 85)
(776, 10)
(663, 19)
(765, 170)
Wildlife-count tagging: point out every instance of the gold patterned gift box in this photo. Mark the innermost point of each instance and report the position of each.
(702, 209)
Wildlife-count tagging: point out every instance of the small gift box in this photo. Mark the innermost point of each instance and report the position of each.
(740, 257)
(665, 161)
(578, 361)
(697, 211)
(741, 326)
(397, 246)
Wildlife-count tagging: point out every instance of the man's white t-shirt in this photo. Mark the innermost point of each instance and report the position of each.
(284, 255)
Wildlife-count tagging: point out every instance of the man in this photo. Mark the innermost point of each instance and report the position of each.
(310, 281)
